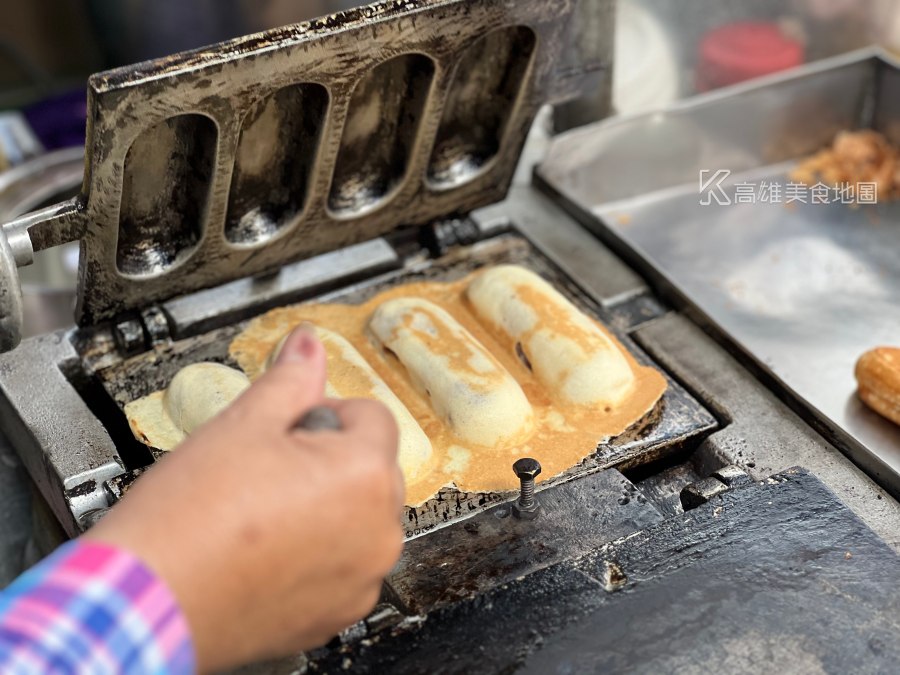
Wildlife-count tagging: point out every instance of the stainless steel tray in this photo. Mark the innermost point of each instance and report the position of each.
(800, 290)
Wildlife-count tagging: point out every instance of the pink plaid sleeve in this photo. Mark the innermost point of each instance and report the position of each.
(91, 608)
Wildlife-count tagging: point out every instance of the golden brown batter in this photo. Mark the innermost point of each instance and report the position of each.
(563, 433)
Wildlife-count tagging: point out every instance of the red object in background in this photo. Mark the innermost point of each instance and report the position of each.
(741, 51)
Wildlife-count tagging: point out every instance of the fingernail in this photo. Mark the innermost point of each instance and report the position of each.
(308, 341)
(301, 346)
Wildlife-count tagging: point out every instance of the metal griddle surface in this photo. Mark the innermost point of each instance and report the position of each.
(805, 289)
(676, 421)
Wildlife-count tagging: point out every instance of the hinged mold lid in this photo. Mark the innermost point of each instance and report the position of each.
(233, 160)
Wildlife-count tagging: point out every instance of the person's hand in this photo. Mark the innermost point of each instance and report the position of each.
(273, 540)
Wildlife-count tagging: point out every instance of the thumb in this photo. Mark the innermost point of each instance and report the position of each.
(294, 384)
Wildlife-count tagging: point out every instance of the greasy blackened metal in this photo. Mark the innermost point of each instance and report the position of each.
(172, 200)
(733, 476)
(130, 379)
(118, 486)
(701, 492)
(382, 617)
(156, 324)
(130, 337)
(486, 82)
(354, 633)
(493, 548)
(279, 137)
(591, 44)
(631, 313)
(774, 576)
(663, 485)
(440, 237)
(81, 490)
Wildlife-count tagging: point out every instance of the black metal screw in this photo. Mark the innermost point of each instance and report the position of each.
(527, 506)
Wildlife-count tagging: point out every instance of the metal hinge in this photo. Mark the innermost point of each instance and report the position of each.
(143, 332)
(442, 235)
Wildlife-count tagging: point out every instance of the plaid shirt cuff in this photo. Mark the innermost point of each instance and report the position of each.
(92, 608)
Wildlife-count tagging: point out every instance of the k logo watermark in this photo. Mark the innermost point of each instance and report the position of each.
(715, 189)
(711, 187)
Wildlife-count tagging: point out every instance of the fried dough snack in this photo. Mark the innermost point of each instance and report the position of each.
(863, 156)
(878, 374)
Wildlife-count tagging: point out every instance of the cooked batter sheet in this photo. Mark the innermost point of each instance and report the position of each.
(494, 367)
(478, 372)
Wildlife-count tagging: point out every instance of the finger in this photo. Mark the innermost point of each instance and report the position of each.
(294, 384)
(365, 420)
(327, 434)
(320, 418)
(376, 429)
(370, 421)
(373, 430)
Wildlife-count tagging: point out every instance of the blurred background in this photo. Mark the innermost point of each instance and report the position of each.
(664, 51)
(47, 46)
